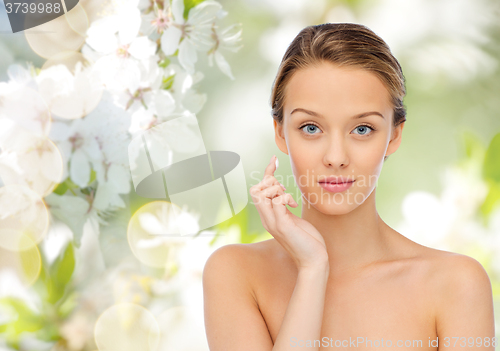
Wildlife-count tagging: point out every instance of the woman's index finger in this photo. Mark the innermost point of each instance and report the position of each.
(269, 173)
(272, 166)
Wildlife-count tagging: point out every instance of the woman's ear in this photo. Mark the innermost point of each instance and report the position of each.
(280, 136)
(395, 139)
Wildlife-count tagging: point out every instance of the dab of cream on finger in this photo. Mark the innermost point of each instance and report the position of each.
(277, 163)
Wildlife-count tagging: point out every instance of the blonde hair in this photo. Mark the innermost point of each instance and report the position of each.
(343, 44)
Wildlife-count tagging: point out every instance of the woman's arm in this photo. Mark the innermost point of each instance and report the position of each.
(304, 314)
(232, 317)
(233, 320)
(464, 311)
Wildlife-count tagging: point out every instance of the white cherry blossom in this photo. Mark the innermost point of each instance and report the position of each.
(70, 96)
(28, 159)
(191, 35)
(227, 39)
(97, 141)
(116, 39)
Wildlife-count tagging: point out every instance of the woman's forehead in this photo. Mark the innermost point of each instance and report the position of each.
(325, 87)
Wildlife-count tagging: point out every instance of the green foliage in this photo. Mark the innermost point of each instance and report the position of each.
(65, 186)
(25, 320)
(491, 174)
(242, 221)
(71, 210)
(53, 280)
(29, 259)
(68, 305)
(61, 188)
(189, 4)
(164, 63)
(474, 148)
(167, 82)
(60, 274)
(488, 159)
(51, 286)
(92, 176)
(491, 166)
(491, 199)
(68, 184)
(22, 319)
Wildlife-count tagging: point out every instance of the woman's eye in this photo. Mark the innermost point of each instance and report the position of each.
(363, 129)
(309, 128)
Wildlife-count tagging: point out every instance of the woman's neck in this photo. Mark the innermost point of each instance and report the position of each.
(353, 240)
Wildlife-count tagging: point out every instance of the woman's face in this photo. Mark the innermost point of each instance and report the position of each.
(337, 123)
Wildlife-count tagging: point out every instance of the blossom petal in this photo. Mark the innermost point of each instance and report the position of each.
(222, 13)
(119, 177)
(193, 101)
(19, 74)
(164, 103)
(129, 24)
(178, 10)
(187, 55)
(102, 197)
(60, 131)
(71, 210)
(80, 169)
(223, 65)
(204, 12)
(170, 40)
(142, 48)
(141, 119)
(118, 73)
(92, 148)
(101, 34)
(106, 197)
(150, 73)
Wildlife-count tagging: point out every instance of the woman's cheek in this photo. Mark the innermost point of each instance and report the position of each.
(372, 150)
(376, 169)
(300, 170)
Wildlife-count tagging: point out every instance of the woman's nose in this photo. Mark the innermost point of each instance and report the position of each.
(336, 153)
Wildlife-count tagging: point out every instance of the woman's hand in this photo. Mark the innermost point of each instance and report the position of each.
(300, 239)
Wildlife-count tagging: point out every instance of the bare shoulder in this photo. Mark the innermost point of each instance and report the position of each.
(439, 266)
(445, 269)
(241, 254)
(226, 259)
(240, 261)
(460, 292)
(451, 281)
(458, 275)
(231, 312)
(450, 269)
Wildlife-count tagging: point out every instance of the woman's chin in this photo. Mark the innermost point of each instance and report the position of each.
(334, 203)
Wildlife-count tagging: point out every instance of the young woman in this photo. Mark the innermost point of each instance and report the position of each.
(339, 277)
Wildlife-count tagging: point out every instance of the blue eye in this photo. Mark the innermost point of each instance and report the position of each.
(363, 129)
(310, 127)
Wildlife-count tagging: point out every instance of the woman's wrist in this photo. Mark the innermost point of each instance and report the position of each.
(318, 269)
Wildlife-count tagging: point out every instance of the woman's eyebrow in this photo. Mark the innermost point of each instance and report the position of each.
(315, 114)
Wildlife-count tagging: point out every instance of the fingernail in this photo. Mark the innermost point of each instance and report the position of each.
(277, 163)
(283, 186)
(272, 158)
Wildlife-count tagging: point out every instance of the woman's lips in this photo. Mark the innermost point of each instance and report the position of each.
(336, 187)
